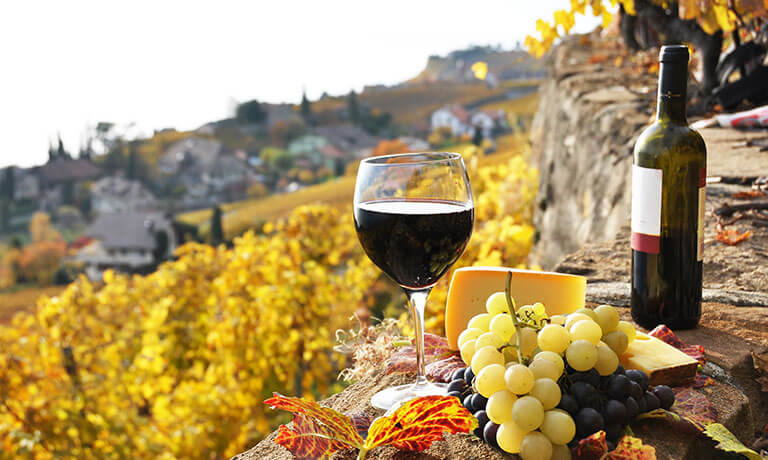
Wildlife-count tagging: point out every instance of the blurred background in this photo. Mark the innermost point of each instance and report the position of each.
(176, 179)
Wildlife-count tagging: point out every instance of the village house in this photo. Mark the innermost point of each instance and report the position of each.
(461, 122)
(130, 242)
(349, 138)
(61, 178)
(117, 194)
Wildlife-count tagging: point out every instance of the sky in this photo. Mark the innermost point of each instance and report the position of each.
(66, 65)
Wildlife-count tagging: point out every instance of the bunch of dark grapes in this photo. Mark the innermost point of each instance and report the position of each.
(610, 402)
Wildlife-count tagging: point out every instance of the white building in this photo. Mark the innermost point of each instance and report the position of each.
(116, 194)
(451, 116)
(130, 242)
(487, 120)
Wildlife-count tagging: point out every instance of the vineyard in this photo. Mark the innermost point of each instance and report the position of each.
(175, 364)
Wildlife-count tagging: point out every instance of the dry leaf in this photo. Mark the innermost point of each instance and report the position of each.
(404, 359)
(420, 422)
(728, 442)
(731, 236)
(595, 447)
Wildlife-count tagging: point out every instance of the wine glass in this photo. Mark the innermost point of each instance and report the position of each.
(413, 215)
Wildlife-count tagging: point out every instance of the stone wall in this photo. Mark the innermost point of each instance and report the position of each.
(593, 106)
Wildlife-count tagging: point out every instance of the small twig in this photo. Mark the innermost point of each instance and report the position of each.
(727, 209)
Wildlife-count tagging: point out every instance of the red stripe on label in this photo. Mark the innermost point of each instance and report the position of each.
(646, 243)
(703, 177)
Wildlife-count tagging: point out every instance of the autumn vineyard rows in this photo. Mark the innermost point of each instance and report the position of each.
(176, 364)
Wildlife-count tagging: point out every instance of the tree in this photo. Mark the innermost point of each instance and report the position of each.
(477, 138)
(40, 228)
(8, 187)
(61, 152)
(306, 108)
(161, 246)
(353, 108)
(217, 229)
(283, 132)
(250, 112)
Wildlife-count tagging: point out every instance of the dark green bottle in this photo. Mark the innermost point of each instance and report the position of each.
(668, 193)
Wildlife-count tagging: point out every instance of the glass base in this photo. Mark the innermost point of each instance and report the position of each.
(395, 396)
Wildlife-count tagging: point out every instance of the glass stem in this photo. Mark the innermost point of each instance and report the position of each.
(417, 299)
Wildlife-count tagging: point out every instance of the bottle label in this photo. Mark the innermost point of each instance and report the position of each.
(702, 208)
(646, 209)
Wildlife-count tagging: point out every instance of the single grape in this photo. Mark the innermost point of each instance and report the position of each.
(490, 434)
(528, 341)
(613, 432)
(620, 370)
(544, 369)
(481, 321)
(458, 385)
(581, 355)
(528, 413)
(503, 326)
(490, 380)
(535, 446)
(633, 410)
(547, 392)
(666, 396)
(628, 329)
(479, 402)
(586, 329)
(588, 421)
(552, 357)
(508, 437)
(635, 390)
(467, 335)
(554, 338)
(569, 404)
(539, 309)
(607, 318)
(467, 351)
(638, 376)
(499, 407)
(525, 311)
(651, 401)
(618, 342)
(558, 426)
(455, 394)
(607, 361)
(561, 452)
(586, 395)
(573, 318)
(497, 304)
(557, 319)
(489, 339)
(458, 374)
(467, 403)
(615, 412)
(484, 357)
(618, 387)
(642, 406)
(469, 375)
(589, 312)
(482, 420)
(519, 379)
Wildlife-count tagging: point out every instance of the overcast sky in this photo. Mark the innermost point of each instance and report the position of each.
(69, 64)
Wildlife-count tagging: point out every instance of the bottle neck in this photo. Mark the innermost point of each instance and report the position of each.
(673, 84)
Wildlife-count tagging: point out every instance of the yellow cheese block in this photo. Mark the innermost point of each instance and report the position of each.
(663, 363)
(471, 287)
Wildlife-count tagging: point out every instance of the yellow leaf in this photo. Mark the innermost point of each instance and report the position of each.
(480, 69)
(728, 442)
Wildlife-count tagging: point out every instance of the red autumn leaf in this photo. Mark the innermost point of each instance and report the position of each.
(419, 422)
(731, 236)
(404, 359)
(442, 370)
(595, 447)
(748, 195)
(317, 431)
(361, 421)
(694, 407)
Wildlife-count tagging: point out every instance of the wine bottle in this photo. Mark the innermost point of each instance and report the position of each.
(668, 193)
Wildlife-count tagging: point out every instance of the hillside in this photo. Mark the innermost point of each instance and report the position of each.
(503, 65)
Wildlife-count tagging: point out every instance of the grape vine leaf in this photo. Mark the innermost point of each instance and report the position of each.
(591, 447)
(420, 422)
(317, 431)
(361, 421)
(694, 407)
(728, 442)
(441, 370)
(404, 359)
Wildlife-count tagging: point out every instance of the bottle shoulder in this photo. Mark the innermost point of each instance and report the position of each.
(661, 137)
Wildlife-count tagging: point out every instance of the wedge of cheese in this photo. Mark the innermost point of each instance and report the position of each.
(471, 287)
(664, 364)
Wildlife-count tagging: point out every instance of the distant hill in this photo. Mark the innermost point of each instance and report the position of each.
(502, 66)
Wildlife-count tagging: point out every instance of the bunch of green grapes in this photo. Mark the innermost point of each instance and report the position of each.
(522, 366)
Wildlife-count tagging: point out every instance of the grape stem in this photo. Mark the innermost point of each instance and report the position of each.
(513, 313)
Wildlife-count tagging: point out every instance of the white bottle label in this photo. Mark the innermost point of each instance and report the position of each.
(646, 209)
